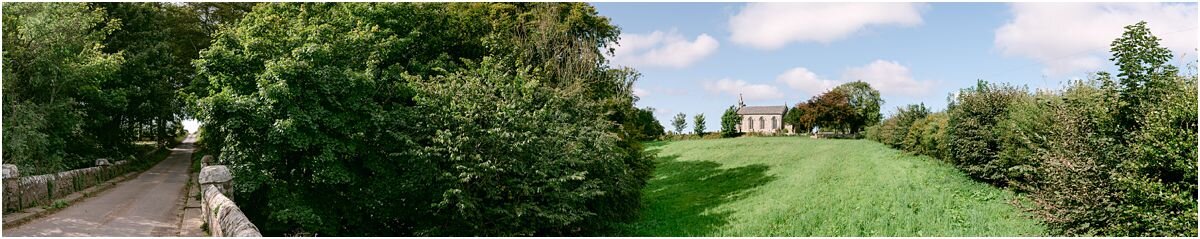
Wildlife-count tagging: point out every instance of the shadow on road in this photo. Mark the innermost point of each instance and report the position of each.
(681, 198)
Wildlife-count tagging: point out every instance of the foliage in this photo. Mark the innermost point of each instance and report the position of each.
(1021, 137)
(1097, 158)
(84, 81)
(831, 110)
(679, 122)
(933, 138)
(1143, 71)
(54, 77)
(424, 119)
(698, 124)
(800, 118)
(158, 41)
(974, 115)
(865, 101)
(904, 130)
(1159, 176)
(645, 125)
(729, 122)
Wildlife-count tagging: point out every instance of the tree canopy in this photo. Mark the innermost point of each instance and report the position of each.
(424, 118)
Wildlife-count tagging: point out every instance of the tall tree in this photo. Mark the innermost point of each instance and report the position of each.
(832, 110)
(159, 42)
(865, 101)
(1144, 72)
(357, 127)
(698, 124)
(729, 122)
(679, 122)
(54, 77)
(646, 125)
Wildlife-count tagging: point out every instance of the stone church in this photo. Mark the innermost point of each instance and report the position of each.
(762, 119)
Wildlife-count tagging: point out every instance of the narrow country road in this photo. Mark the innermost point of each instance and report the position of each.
(148, 205)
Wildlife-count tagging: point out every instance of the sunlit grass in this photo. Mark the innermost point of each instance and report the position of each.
(796, 186)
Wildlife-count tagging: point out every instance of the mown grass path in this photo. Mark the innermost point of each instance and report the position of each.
(796, 186)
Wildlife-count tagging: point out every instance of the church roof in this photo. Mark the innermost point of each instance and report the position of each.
(762, 110)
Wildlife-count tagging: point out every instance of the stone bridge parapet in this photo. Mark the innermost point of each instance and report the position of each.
(223, 217)
(37, 190)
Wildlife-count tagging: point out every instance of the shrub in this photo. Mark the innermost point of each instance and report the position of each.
(1075, 194)
(1159, 176)
(974, 115)
(933, 136)
(912, 138)
(644, 125)
(904, 118)
(1021, 135)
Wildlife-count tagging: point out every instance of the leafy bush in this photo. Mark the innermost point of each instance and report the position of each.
(1159, 177)
(898, 130)
(1074, 192)
(912, 139)
(1097, 158)
(644, 125)
(521, 163)
(1021, 136)
(933, 139)
(974, 115)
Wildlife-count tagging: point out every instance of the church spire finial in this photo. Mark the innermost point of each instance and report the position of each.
(741, 103)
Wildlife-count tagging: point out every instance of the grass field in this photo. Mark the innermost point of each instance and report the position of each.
(796, 186)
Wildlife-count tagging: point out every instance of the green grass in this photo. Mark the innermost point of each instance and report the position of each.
(796, 186)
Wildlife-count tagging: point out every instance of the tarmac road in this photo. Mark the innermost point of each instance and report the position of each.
(148, 205)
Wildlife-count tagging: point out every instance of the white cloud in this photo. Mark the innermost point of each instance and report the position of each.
(802, 79)
(773, 25)
(889, 77)
(1072, 37)
(662, 49)
(749, 91)
(640, 93)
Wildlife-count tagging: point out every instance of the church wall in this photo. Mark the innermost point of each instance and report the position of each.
(766, 125)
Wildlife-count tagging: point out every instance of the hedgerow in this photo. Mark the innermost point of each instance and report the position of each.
(1104, 156)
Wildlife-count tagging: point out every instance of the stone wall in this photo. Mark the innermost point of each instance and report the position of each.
(221, 214)
(37, 190)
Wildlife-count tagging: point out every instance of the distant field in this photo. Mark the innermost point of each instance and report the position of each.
(796, 186)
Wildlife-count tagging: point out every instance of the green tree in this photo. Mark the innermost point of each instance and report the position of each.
(1144, 72)
(793, 118)
(1157, 120)
(648, 127)
(831, 110)
(54, 77)
(159, 41)
(679, 122)
(865, 101)
(424, 119)
(729, 122)
(698, 124)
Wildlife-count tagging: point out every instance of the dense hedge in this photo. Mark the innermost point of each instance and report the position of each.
(424, 119)
(1096, 158)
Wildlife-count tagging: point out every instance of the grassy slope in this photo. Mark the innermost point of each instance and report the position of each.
(796, 186)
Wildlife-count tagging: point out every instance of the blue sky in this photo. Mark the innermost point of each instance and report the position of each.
(697, 57)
